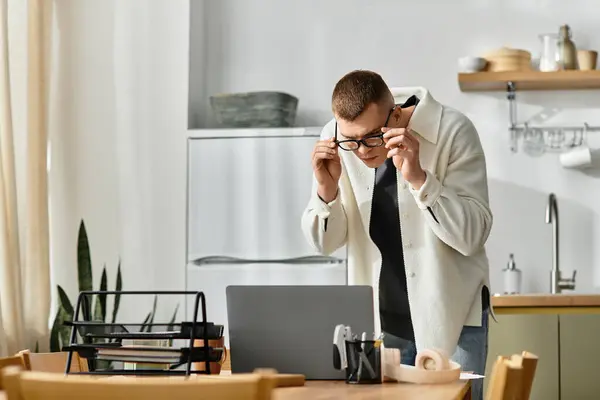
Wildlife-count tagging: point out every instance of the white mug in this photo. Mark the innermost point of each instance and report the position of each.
(578, 158)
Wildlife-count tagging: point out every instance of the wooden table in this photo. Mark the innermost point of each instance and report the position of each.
(315, 390)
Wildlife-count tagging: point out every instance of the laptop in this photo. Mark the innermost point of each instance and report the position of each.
(290, 328)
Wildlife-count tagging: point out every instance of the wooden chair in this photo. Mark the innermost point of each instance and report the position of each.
(14, 361)
(227, 363)
(529, 362)
(30, 385)
(52, 362)
(506, 380)
(512, 377)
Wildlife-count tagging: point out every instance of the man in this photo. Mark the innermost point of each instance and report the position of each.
(401, 180)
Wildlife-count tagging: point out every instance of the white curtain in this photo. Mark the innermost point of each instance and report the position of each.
(24, 268)
(117, 136)
(116, 114)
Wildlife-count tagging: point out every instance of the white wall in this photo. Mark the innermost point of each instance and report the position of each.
(120, 115)
(303, 47)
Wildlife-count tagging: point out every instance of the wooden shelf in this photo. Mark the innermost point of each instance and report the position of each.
(529, 80)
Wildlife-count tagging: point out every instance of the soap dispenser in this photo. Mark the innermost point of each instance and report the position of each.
(512, 277)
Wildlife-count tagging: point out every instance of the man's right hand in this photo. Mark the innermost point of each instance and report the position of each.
(327, 167)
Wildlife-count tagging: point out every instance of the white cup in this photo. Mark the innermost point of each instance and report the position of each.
(578, 158)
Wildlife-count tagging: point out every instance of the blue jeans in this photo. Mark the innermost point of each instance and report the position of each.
(471, 352)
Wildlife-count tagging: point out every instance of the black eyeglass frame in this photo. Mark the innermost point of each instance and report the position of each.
(363, 140)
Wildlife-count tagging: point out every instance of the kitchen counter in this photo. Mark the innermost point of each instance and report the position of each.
(545, 302)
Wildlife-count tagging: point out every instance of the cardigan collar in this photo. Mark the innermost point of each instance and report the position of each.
(427, 115)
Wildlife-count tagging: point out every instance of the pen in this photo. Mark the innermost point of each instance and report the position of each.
(362, 350)
(378, 340)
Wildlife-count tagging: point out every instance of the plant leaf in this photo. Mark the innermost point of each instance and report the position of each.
(153, 314)
(84, 268)
(84, 262)
(147, 318)
(64, 302)
(118, 288)
(101, 298)
(86, 308)
(54, 333)
(65, 313)
(64, 331)
(103, 365)
(98, 306)
(97, 310)
(171, 325)
(145, 323)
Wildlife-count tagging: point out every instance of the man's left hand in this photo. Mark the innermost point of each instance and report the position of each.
(404, 149)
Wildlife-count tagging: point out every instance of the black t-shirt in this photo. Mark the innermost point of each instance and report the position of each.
(385, 233)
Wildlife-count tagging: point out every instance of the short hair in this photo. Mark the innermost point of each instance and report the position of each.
(355, 91)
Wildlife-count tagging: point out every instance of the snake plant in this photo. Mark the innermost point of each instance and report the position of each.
(60, 334)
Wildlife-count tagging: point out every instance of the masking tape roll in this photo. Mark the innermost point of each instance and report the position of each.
(408, 373)
(389, 357)
(432, 359)
(393, 356)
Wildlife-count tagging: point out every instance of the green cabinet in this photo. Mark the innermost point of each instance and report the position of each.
(536, 333)
(568, 349)
(579, 354)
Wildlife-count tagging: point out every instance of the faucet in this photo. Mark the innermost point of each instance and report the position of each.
(557, 283)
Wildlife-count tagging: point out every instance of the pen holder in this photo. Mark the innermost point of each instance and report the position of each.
(364, 361)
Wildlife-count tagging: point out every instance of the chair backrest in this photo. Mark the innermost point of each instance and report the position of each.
(30, 385)
(506, 380)
(53, 362)
(10, 377)
(14, 361)
(227, 363)
(529, 362)
(512, 377)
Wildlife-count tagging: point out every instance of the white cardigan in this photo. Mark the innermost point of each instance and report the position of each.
(445, 260)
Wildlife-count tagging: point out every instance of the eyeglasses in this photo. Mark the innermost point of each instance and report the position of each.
(369, 141)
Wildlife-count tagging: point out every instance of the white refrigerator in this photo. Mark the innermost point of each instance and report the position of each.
(246, 192)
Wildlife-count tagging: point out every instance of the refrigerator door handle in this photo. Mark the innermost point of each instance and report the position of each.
(312, 259)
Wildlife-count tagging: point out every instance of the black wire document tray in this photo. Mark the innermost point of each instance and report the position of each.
(146, 354)
(170, 346)
(183, 330)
